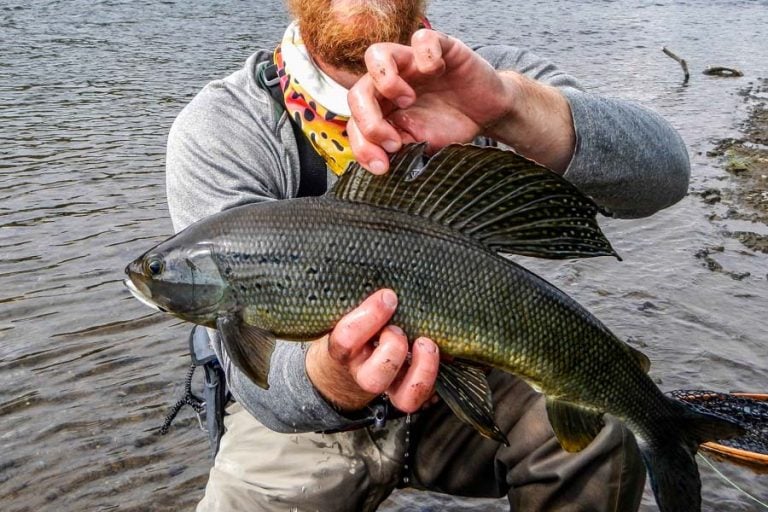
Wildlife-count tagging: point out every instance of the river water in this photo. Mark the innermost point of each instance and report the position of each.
(88, 90)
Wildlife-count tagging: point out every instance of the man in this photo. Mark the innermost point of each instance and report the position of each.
(359, 79)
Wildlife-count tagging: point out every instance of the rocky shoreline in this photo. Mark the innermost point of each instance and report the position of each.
(745, 194)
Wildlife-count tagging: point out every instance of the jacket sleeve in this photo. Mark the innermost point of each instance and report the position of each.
(229, 147)
(627, 158)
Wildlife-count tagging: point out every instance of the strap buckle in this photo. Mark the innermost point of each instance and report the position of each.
(268, 74)
(374, 415)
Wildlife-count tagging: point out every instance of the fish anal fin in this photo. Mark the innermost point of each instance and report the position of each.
(574, 426)
(250, 348)
(464, 388)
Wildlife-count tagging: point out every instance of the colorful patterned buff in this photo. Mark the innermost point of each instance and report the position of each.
(315, 102)
(326, 129)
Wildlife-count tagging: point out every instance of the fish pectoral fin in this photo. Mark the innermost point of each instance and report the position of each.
(465, 389)
(574, 426)
(249, 347)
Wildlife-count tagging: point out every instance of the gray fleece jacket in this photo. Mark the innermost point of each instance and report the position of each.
(230, 146)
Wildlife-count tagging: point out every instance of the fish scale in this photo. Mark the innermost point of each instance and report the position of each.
(436, 234)
(474, 303)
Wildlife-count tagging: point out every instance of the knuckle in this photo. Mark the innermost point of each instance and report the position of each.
(376, 376)
(339, 355)
(397, 333)
(369, 385)
(338, 350)
(427, 44)
(353, 100)
(370, 126)
(371, 53)
(352, 131)
(423, 35)
(391, 358)
(392, 364)
(377, 53)
(388, 83)
(361, 96)
(394, 346)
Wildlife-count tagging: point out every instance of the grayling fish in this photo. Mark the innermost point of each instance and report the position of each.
(291, 269)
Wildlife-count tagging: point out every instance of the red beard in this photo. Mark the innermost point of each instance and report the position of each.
(340, 37)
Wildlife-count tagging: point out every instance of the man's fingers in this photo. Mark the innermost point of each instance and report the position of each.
(369, 155)
(385, 62)
(368, 109)
(377, 372)
(357, 327)
(425, 122)
(428, 51)
(418, 383)
(371, 137)
(380, 91)
(398, 79)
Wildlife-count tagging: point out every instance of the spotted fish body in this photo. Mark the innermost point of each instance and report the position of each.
(472, 302)
(292, 269)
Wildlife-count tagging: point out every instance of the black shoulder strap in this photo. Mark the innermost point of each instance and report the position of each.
(314, 174)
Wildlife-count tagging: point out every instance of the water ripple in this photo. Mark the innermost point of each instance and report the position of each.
(88, 91)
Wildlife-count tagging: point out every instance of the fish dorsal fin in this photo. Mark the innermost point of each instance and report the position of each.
(509, 203)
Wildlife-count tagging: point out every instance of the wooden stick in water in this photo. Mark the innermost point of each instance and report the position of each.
(680, 61)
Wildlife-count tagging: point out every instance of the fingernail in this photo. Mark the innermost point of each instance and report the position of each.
(390, 146)
(396, 330)
(403, 102)
(377, 167)
(389, 299)
(423, 343)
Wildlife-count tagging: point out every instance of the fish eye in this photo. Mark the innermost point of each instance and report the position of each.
(153, 266)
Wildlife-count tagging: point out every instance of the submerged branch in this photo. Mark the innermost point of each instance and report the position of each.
(680, 61)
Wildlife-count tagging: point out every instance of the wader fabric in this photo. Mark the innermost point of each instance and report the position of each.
(258, 469)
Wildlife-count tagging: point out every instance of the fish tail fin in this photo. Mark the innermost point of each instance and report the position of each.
(670, 456)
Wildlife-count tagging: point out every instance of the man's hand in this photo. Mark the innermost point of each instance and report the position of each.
(350, 366)
(440, 91)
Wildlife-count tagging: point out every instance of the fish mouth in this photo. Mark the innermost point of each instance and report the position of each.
(141, 295)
